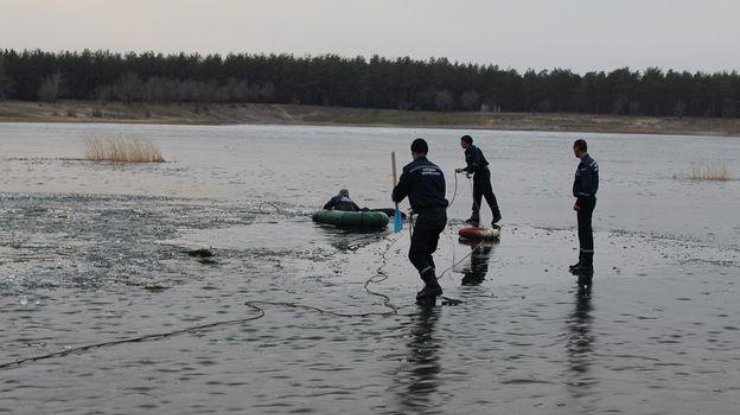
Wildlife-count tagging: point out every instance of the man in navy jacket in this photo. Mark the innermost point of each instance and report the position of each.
(342, 202)
(585, 186)
(477, 165)
(424, 184)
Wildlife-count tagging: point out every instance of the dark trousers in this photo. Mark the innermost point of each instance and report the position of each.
(427, 228)
(482, 188)
(586, 231)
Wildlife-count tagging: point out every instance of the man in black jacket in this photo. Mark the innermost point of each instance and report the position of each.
(424, 184)
(585, 186)
(342, 202)
(477, 165)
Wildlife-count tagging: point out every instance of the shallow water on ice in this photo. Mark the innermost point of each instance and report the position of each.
(92, 253)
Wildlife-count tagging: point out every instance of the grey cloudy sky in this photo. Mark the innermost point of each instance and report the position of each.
(579, 34)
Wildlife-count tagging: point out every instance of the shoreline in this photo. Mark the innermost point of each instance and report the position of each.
(285, 114)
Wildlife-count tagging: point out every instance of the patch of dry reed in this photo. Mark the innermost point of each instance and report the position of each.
(709, 172)
(121, 150)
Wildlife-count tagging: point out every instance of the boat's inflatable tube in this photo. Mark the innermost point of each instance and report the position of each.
(479, 234)
(352, 220)
(390, 212)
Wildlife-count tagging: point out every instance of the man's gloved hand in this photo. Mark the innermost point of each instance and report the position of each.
(576, 206)
(459, 170)
(468, 175)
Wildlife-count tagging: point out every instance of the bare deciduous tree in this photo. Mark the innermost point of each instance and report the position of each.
(129, 88)
(50, 86)
(470, 100)
(444, 100)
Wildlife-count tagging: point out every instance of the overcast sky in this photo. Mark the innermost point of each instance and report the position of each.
(581, 35)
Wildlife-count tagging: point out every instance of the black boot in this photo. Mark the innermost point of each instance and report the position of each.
(431, 288)
(474, 220)
(577, 264)
(584, 266)
(496, 218)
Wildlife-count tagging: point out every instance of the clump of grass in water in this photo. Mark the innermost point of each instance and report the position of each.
(121, 150)
(709, 172)
(156, 286)
(204, 256)
(200, 253)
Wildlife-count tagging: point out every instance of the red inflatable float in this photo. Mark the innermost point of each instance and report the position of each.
(479, 234)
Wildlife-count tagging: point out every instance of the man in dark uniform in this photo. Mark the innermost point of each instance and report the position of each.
(477, 165)
(342, 202)
(585, 186)
(424, 183)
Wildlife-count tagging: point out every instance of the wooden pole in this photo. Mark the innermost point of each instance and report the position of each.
(393, 163)
(397, 213)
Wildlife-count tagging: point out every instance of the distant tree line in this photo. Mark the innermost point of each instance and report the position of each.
(377, 82)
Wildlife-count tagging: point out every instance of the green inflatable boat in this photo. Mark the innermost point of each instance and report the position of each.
(352, 220)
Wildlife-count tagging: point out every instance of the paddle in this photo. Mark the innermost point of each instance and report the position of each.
(397, 219)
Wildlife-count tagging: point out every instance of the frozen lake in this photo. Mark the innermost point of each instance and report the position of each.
(93, 253)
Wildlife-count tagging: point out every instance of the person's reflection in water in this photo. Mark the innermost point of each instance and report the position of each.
(581, 340)
(479, 260)
(424, 366)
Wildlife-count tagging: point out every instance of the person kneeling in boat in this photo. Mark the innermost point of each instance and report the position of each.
(424, 184)
(342, 202)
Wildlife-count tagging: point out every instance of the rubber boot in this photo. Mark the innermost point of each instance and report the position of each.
(586, 265)
(577, 264)
(474, 219)
(431, 288)
(496, 218)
